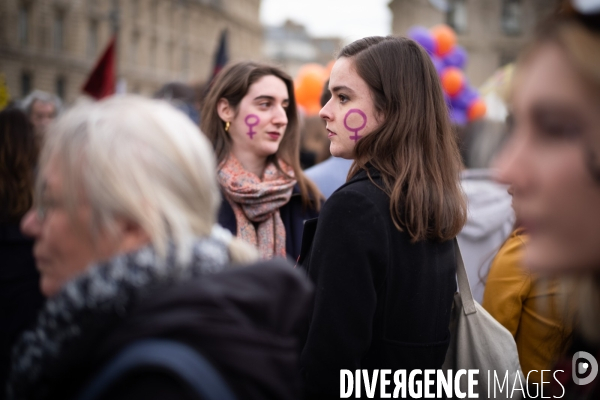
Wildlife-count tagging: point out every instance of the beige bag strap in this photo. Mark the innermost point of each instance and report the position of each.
(463, 282)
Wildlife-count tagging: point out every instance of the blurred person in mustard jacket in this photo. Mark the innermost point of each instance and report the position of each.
(528, 305)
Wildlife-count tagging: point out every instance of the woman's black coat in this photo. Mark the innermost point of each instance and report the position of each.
(380, 300)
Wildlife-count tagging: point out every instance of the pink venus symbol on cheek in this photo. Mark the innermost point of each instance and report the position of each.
(251, 121)
(356, 136)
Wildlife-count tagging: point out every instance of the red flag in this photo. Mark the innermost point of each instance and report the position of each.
(101, 82)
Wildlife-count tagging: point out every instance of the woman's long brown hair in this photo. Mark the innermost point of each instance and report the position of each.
(414, 148)
(232, 84)
(18, 157)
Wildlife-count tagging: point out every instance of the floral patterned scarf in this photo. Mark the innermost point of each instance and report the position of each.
(256, 204)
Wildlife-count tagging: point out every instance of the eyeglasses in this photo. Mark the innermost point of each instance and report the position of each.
(43, 207)
(41, 212)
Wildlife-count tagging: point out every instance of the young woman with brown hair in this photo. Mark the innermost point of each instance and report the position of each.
(381, 253)
(251, 118)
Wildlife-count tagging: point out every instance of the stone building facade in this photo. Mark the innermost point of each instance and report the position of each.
(52, 45)
(290, 46)
(492, 31)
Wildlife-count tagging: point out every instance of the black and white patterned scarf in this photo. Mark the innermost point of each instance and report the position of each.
(90, 305)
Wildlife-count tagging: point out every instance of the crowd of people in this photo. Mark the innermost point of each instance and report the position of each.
(127, 220)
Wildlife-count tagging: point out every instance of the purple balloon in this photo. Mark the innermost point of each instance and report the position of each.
(458, 116)
(463, 99)
(421, 35)
(438, 64)
(457, 57)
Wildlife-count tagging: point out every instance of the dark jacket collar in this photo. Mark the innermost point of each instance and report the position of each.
(363, 175)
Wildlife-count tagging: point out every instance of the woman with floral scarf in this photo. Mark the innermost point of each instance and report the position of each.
(251, 118)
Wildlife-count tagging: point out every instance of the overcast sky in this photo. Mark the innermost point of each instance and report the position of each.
(348, 19)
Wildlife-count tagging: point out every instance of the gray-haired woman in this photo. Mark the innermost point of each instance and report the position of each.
(127, 248)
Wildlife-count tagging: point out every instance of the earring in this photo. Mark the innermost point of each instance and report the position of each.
(227, 124)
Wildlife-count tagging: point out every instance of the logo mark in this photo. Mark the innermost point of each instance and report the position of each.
(581, 368)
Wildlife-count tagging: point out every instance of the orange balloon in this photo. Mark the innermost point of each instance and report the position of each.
(310, 67)
(309, 84)
(308, 90)
(452, 80)
(312, 109)
(445, 39)
(313, 70)
(476, 110)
